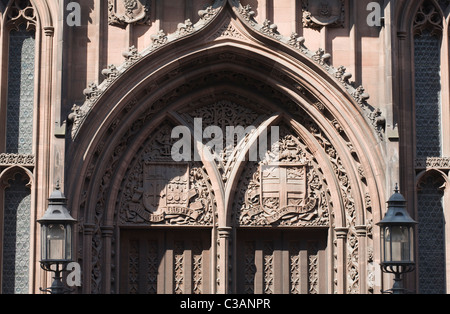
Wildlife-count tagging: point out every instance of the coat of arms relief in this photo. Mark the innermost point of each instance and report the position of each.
(159, 191)
(124, 12)
(287, 189)
(320, 13)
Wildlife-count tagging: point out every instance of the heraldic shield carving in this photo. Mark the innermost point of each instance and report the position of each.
(319, 13)
(166, 193)
(165, 185)
(158, 191)
(289, 191)
(283, 191)
(122, 12)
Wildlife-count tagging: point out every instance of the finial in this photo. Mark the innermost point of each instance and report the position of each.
(58, 187)
(396, 190)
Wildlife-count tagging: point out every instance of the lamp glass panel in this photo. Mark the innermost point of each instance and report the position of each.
(44, 242)
(68, 251)
(56, 242)
(411, 244)
(400, 242)
(386, 242)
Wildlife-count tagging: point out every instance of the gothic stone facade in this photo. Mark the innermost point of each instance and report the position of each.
(92, 91)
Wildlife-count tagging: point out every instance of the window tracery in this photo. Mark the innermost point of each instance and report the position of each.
(16, 235)
(427, 64)
(16, 150)
(428, 36)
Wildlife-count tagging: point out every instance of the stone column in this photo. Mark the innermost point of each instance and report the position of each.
(86, 270)
(341, 260)
(361, 232)
(44, 150)
(107, 233)
(223, 260)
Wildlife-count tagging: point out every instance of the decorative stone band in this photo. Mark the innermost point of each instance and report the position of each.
(433, 162)
(16, 160)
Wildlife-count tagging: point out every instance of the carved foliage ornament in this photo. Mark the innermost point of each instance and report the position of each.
(123, 12)
(320, 13)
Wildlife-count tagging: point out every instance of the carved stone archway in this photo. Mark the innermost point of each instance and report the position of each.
(230, 67)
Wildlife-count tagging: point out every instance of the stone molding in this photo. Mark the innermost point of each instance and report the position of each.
(245, 13)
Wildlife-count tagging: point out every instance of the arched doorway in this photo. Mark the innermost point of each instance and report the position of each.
(296, 219)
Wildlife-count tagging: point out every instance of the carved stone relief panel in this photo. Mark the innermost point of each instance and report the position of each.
(123, 12)
(158, 190)
(288, 190)
(235, 121)
(225, 114)
(320, 13)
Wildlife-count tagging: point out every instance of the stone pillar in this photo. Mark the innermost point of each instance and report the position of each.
(340, 260)
(223, 277)
(361, 232)
(107, 233)
(86, 270)
(44, 149)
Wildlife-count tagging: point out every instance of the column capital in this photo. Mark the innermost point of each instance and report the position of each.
(341, 232)
(361, 231)
(49, 31)
(401, 35)
(224, 232)
(88, 228)
(107, 231)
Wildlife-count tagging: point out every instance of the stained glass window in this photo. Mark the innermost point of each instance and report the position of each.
(431, 237)
(16, 237)
(19, 120)
(427, 54)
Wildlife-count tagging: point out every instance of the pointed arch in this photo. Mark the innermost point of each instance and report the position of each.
(30, 22)
(16, 229)
(423, 69)
(246, 66)
(433, 232)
